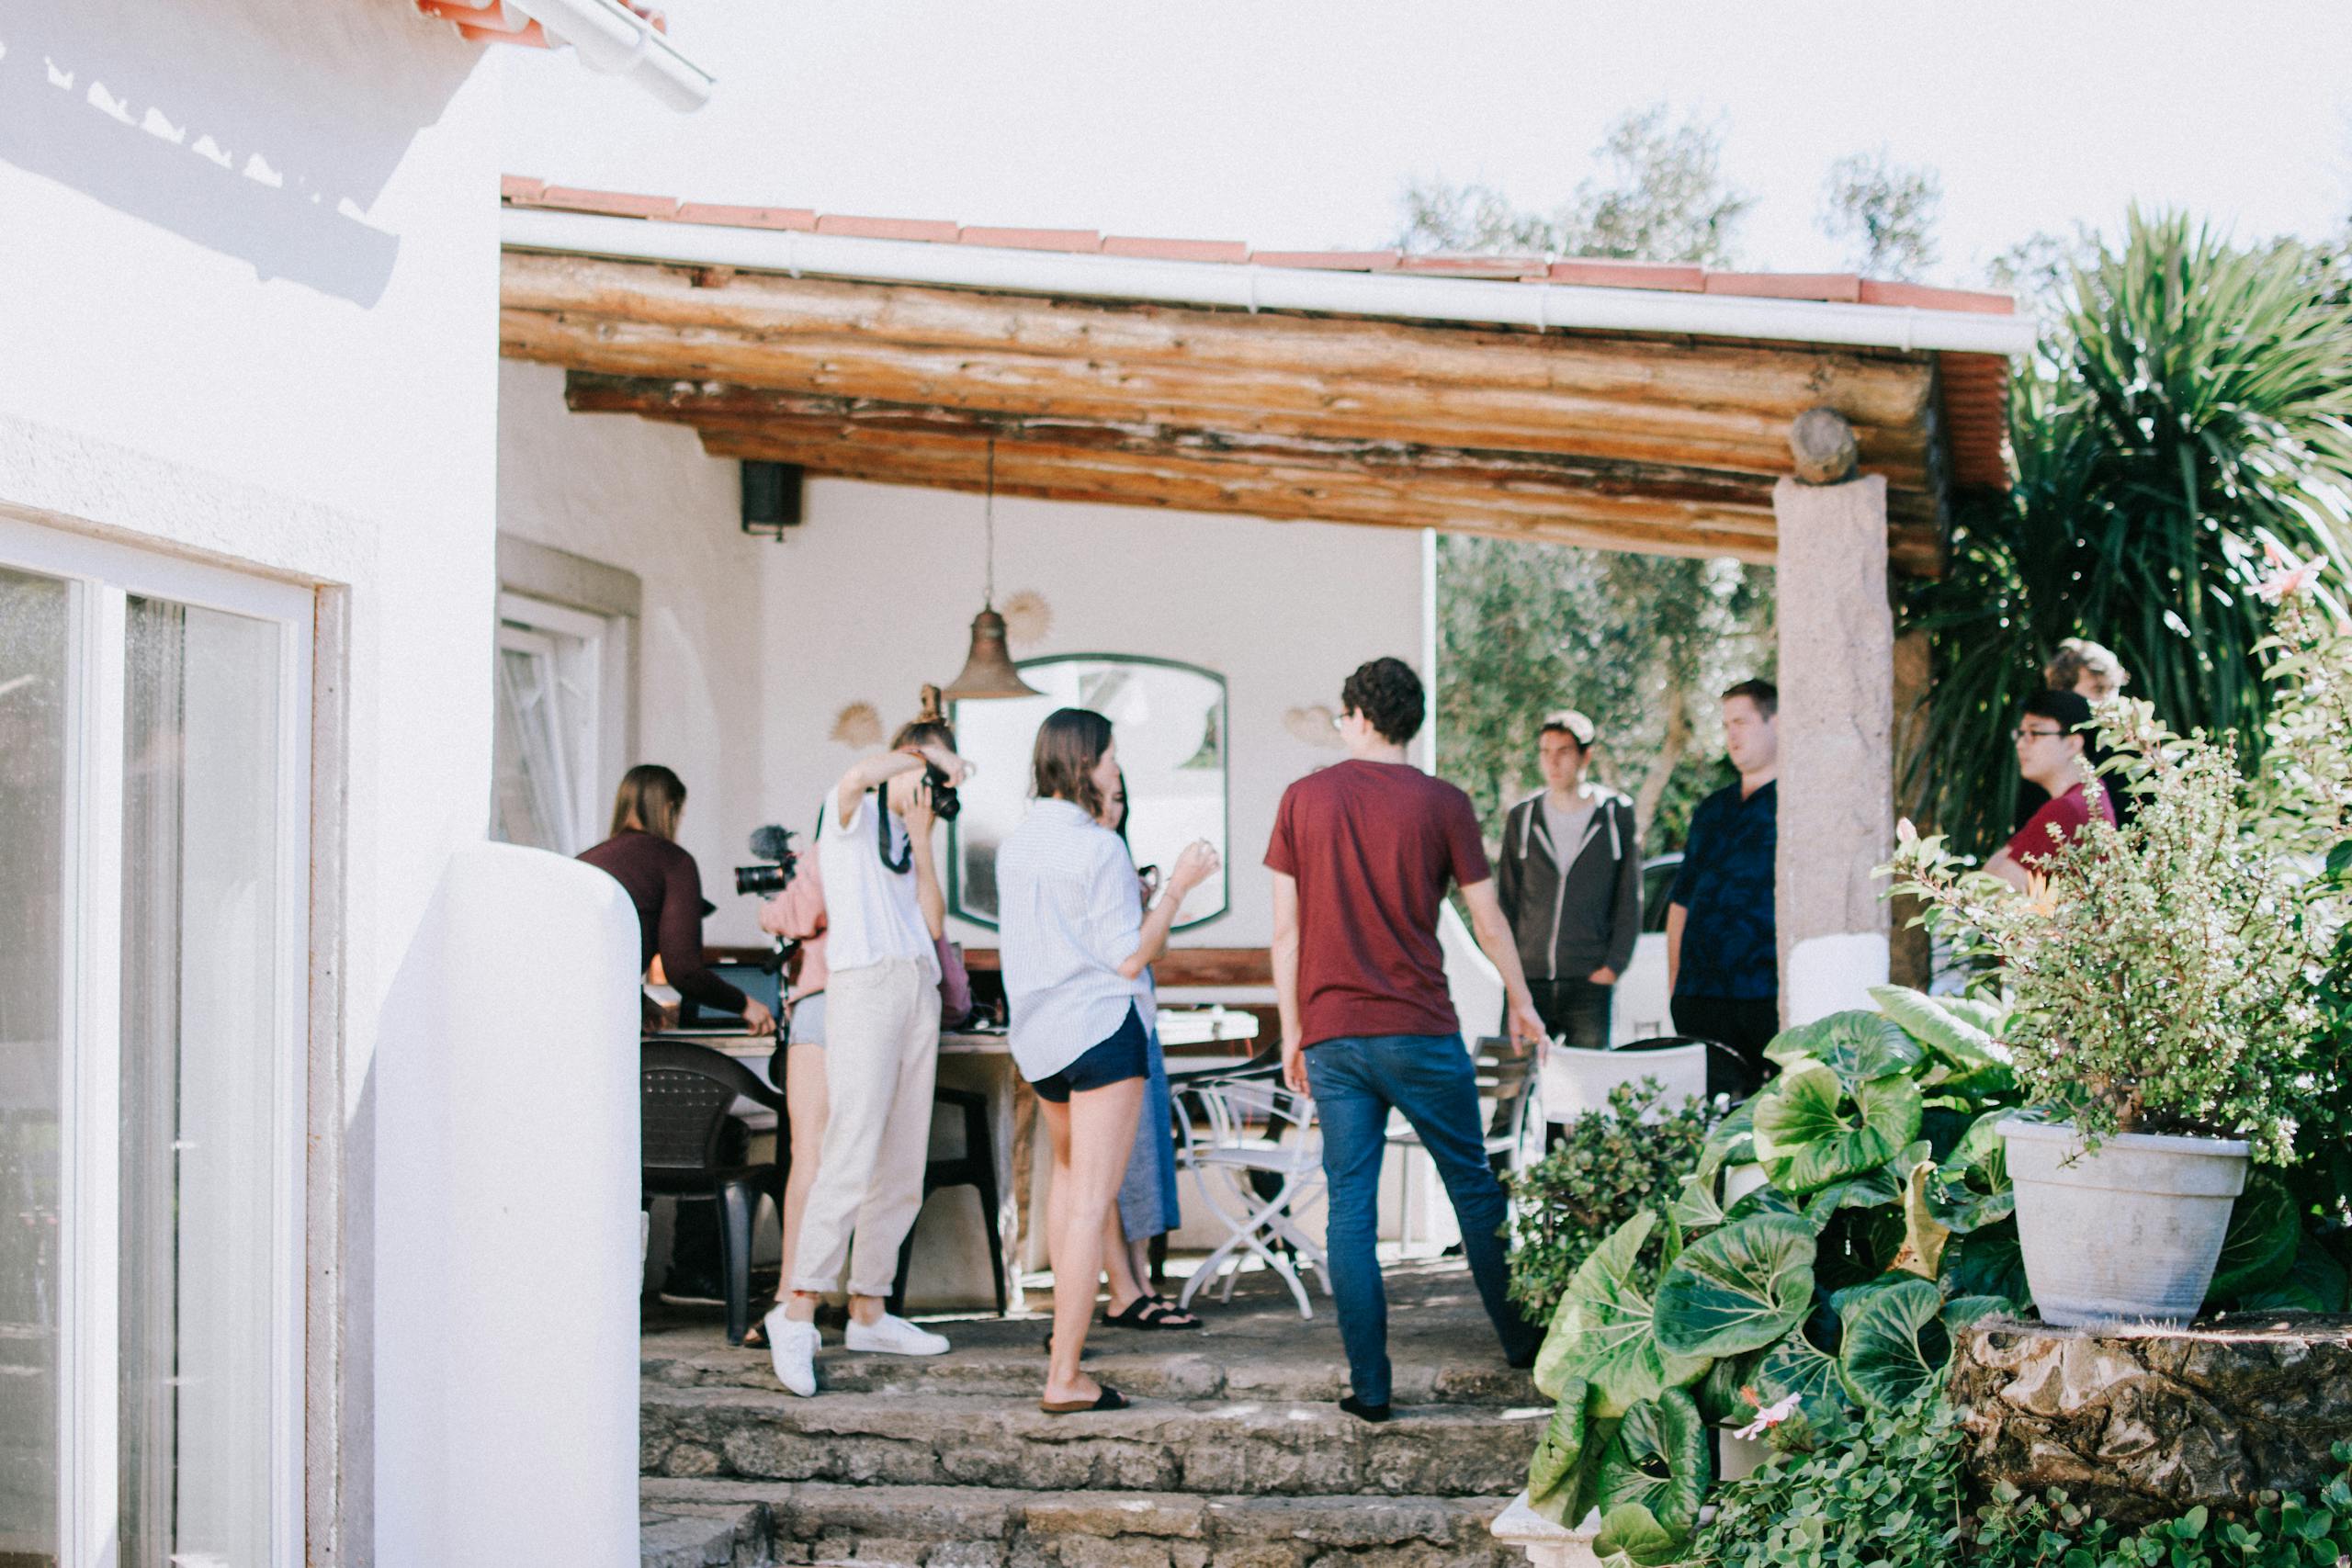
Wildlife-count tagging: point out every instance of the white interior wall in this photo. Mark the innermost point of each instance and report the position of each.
(752, 649)
(642, 497)
(886, 581)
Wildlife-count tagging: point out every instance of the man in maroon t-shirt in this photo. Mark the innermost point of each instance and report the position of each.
(1362, 855)
(2049, 740)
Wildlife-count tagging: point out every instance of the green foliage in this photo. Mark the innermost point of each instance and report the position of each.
(1604, 1338)
(1810, 1130)
(1890, 1495)
(1640, 644)
(1663, 198)
(1737, 1289)
(1661, 1459)
(1609, 1166)
(1885, 213)
(2189, 403)
(2160, 973)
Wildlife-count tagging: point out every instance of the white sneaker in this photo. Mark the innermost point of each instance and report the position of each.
(792, 1348)
(895, 1337)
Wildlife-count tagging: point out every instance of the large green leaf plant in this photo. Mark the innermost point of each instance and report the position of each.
(1882, 1222)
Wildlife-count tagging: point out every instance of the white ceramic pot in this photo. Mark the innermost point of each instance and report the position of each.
(2128, 1234)
(1547, 1545)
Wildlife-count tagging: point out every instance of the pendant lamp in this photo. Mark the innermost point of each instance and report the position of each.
(989, 670)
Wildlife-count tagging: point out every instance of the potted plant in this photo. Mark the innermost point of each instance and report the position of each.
(2164, 976)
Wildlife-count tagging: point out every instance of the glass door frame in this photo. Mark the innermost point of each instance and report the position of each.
(102, 576)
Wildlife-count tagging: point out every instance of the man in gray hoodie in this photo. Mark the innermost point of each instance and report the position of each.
(1570, 882)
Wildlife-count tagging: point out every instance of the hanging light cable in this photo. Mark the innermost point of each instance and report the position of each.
(989, 670)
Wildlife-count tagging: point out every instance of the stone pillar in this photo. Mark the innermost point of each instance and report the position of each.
(1837, 778)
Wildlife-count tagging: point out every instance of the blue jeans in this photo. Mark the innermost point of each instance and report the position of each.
(1430, 1079)
(1147, 1192)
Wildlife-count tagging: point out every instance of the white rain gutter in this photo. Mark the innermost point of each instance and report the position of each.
(610, 38)
(1401, 296)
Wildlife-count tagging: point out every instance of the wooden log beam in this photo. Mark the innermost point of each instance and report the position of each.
(1563, 515)
(1874, 388)
(799, 418)
(1267, 401)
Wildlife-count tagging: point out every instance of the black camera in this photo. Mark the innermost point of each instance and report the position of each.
(945, 804)
(772, 846)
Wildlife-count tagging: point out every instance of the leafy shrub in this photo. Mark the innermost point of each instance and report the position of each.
(1612, 1164)
(1892, 1496)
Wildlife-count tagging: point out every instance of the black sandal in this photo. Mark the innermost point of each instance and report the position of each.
(1108, 1399)
(1152, 1312)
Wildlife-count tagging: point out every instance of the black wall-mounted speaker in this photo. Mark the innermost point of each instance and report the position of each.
(771, 498)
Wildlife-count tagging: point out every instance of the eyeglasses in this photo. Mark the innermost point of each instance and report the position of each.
(2022, 734)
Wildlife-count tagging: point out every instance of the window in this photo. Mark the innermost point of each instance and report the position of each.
(551, 726)
(154, 857)
(1170, 723)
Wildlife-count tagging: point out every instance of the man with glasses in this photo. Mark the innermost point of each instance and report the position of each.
(2050, 741)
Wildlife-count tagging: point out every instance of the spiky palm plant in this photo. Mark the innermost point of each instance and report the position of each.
(2191, 407)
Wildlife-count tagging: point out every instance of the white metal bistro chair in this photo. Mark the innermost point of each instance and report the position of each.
(1513, 1135)
(1254, 1151)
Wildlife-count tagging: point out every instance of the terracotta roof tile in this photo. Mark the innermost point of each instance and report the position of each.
(1076, 240)
(1176, 250)
(1510, 268)
(889, 228)
(613, 203)
(1593, 272)
(1925, 299)
(1330, 261)
(1836, 288)
(725, 216)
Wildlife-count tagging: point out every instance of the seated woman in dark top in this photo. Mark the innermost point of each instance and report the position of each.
(661, 880)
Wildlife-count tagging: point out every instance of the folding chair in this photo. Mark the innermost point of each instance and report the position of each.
(1253, 1150)
(1513, 1138)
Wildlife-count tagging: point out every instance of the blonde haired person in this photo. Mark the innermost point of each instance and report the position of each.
(884, 913)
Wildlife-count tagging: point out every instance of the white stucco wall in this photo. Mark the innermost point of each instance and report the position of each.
(643, 498)
(750, 648)
(287, 364)
(888, 578)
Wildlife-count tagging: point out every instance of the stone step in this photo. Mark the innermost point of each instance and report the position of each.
(1241, 1447)
(975, 1527)
(1007, 1361)
(685, 1532)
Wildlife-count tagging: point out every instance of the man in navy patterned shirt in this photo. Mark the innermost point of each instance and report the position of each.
(1722, 946)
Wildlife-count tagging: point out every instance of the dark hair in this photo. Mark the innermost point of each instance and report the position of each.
(1388, 693)
(2069, 708)
(650, 799)
(1061, 766)
(1763, 694)
(1573, 725)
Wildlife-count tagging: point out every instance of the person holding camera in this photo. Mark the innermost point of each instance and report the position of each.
(884, 913)
(1075, 942)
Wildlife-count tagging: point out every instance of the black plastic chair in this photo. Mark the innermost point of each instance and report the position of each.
(976, 1167)
(684, 1092)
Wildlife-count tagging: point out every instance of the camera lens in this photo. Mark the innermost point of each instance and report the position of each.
(761, 880)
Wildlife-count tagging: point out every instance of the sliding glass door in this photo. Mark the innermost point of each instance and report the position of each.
(153, 824)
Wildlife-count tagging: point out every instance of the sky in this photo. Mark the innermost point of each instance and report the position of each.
(1295, 123)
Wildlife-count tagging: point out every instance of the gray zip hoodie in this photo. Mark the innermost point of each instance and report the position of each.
(1569, 926)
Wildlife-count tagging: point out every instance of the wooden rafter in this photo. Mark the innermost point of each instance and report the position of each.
(1653, 443)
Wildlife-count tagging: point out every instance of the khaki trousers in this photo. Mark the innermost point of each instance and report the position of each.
(881, 1056)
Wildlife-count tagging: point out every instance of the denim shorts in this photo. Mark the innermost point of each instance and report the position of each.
(808, 1024)
(1127, 1054)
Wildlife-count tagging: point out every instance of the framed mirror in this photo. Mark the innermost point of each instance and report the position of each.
(1169, 720)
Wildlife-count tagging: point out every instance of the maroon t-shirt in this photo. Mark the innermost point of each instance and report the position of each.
(2036, 843)
(1372, 846)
